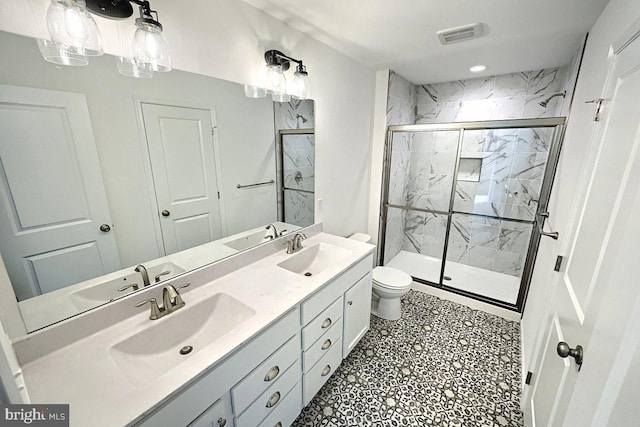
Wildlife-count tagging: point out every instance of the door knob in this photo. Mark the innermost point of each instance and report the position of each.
(565, 351)
(165, 213)
(105, 228)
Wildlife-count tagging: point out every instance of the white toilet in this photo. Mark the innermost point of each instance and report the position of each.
(389, 285)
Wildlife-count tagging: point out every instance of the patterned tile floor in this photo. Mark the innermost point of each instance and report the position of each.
(442, 364)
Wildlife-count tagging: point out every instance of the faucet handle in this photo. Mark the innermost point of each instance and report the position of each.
(179, 300)
(155, 310)
(282, 232)
(124, 288)
(164, 273)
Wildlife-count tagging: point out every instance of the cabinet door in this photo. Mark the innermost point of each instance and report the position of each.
(357, 308)
(216, 415)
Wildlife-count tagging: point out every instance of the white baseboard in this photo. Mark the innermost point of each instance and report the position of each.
(469, 302)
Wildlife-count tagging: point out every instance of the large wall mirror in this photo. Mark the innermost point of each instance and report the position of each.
(111, 183)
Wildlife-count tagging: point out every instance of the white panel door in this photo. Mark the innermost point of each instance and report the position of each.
(52, 198)
(183, 164)
(594, 299)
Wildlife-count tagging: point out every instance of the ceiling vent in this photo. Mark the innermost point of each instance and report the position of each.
(460, 34)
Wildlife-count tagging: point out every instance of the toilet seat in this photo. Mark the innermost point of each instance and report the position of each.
(390, 278)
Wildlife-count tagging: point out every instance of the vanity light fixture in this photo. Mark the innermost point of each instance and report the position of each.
(74, 34)
(277, 64)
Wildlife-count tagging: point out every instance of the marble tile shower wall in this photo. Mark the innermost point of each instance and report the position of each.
(296, 114)
(507, 96)
(400, 110)
(503, 168)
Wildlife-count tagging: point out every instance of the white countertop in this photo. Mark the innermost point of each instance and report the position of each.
(51, 307)
(84, 374)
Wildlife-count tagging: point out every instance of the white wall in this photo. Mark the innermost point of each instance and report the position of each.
(617, 16)
(227, 39)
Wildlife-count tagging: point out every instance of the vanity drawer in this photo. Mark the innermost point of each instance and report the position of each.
(286, 412)
(265, 375)
(322, 346)
(271, 399)
(321, 371)
(321, 324)
(314, 305)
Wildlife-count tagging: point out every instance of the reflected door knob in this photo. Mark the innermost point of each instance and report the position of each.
(165, 213)
(105, 228)
(565, 351)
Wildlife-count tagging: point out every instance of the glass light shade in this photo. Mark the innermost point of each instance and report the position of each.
(300, 89)
(150, 49)
(72, 28)
(276, 82)
(51, 52)
(254, 91)
(281, 97)
(129, 67)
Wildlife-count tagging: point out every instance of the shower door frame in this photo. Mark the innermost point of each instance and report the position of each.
(557, 123)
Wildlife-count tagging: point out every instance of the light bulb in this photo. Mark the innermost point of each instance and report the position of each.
(276, 81)
(150, 49)
(72, 28)
(300, 89)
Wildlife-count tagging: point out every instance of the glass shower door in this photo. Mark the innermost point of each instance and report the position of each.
(498, 183)
(297, 176)
(421, 168)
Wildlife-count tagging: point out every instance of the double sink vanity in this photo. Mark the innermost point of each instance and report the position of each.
(246, 341)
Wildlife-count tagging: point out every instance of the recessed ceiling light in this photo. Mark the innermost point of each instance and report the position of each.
(477, 68)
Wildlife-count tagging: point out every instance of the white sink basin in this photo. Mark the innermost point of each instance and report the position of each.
(155, 350)
(101, 292)
(248, 240)
(314, 259)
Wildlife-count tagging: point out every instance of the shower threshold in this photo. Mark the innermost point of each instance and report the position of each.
(491, 284)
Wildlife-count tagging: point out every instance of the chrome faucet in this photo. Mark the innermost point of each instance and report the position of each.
(274, 232)
(145, 276)
(171, 301)
(295, 244)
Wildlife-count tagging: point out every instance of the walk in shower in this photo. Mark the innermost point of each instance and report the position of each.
(464, 204)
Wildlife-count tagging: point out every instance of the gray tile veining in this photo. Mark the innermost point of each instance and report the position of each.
(442, 364)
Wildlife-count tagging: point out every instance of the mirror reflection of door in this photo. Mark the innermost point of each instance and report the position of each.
(297, 148)
(53, 205)
(181, 150)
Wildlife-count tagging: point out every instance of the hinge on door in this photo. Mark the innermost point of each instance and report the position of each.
(218, 195)
(213, 130)
(598, 102)
(559, 259)
(528, 380)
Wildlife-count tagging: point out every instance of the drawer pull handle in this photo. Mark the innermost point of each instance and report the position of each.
(222, 422)
(273, 400)
(326, 323)
(326, 344)
(272, 373)
(278, 424)
(326, 371)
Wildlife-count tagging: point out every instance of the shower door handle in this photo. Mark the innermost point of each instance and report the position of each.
(540, 222)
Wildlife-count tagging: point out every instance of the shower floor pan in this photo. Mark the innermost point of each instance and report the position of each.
(498, 286)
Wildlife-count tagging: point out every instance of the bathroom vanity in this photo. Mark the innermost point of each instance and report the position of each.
(259, 335)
